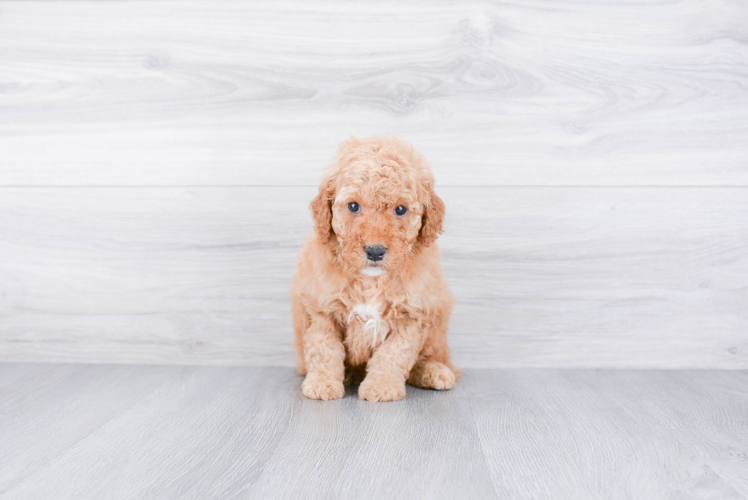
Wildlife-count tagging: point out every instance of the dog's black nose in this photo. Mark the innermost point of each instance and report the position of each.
(375, 254)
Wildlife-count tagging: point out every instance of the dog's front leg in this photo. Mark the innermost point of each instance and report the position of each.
(390, 365)
(324, 356)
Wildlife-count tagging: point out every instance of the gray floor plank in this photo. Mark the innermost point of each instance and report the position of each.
(613, 434)
(423, 447)
(10, 373)
(79, 431)
(193, 437)
(43, 416)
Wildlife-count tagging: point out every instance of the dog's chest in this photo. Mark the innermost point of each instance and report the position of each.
(367, 325)
(365, 322)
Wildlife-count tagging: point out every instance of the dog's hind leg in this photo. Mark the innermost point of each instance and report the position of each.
(433, 370)
(432, 375)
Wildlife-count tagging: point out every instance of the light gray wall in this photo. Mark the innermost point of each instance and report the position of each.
(157, 159)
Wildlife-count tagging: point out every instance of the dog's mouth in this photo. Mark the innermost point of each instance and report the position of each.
(374, 270)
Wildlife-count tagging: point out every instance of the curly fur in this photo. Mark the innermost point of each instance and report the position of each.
(378, 324)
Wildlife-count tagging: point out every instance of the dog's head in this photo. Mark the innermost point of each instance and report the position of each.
(376, 204)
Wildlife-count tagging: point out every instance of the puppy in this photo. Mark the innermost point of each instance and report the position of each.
(369, 301)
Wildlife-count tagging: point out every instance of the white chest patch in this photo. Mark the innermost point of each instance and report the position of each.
(373, 322)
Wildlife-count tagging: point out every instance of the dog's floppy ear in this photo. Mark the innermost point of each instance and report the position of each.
(433, 219)
(321, 208)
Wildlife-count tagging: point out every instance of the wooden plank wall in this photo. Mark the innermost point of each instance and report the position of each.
(157, 159)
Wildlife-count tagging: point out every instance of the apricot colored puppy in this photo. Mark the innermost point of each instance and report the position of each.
(369, 301)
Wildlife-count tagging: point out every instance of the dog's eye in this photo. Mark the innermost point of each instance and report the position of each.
(354, 207)
(400, 210)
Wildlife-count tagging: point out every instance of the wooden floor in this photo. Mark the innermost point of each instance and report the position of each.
(121, 431)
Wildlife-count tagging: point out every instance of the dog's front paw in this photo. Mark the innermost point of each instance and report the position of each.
(385, 390)
(317, 386)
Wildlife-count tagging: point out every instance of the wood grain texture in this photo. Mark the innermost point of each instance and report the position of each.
(257, 93)
(237, 432)
(156, 159)
(613, 434)
(544, 277)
